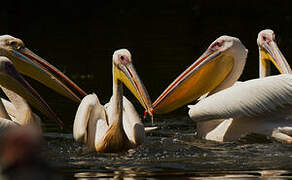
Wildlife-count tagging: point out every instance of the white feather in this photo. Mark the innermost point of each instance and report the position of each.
(248, 99)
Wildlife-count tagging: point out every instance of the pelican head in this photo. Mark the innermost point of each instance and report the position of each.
(125, 72)
(269, 52)
(217, 68)
(13, 81)
(28, 63)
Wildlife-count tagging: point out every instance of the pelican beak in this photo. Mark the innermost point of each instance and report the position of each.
(271, 53)
(28, 63)
(205, 74)
(12, 80)
(126, 73)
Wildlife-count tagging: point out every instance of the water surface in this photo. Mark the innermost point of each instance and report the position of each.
(164, 37)
(174, 152)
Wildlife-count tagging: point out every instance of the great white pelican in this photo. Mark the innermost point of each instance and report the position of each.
(261, 106)
(256, 106)
(116, 126)
(216, 69)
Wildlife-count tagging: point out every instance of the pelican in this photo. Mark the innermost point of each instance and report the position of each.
(240, 109)
(216, 69)
(116, 126)
(29, 64)
(261, 106)
(20, 94)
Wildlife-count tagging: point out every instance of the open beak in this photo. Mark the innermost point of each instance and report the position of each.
(12, 80)
(127, 74)
(205, 74)
(28, 63)
(271, 53)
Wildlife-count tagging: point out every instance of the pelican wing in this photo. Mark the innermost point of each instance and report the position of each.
(11, 110)
(133, 126)
(248, 99)
(89, 108)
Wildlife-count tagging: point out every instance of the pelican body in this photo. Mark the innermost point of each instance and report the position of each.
(116, 126)
(261, 106)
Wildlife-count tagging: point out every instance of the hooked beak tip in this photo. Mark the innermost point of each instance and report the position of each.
(150, 112)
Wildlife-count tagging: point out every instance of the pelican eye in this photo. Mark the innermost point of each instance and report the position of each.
(217, 44)
(266, 39)
(15, 44)
(12, 43)
(124, 59)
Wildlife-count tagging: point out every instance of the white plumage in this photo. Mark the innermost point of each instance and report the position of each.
(261, 106)
(246, 100)
(93, 121)
(116, 126)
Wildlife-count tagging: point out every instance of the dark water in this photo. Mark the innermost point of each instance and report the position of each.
(164, 38)
(174, 152)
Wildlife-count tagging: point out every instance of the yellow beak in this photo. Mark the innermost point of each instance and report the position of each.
(127, 74)
(12, 80)
(28, 63)
(271, 53)
(202, 76)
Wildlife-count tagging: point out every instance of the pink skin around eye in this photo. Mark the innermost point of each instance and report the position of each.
(216, 44)
(124, 59)
(266, 39)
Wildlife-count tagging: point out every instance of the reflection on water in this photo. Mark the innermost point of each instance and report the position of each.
(275, 174)
(173, 152)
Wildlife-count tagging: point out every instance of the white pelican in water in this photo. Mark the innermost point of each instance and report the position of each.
(20, 94)
(261, 106)
(243, 104)
(116, 126)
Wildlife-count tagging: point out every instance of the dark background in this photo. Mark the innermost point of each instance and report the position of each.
(164, 37)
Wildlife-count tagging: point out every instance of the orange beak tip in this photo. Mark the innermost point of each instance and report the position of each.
(152, 112)
(145, 114)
